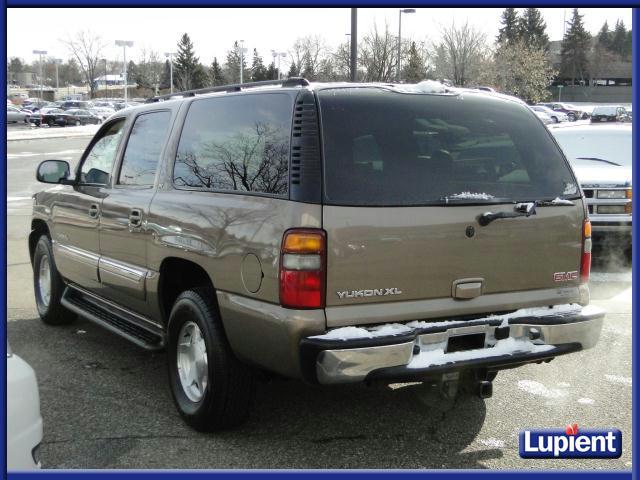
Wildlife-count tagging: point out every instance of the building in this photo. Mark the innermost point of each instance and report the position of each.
(109, 80)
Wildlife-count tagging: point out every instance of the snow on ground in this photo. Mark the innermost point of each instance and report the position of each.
(619, 379)
(540, 390)
(36, 133)
(586, 401)
(492, 442)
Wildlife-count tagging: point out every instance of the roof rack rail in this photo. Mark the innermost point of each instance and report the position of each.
(236, 87)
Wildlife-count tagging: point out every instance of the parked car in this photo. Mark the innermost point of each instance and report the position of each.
(77, 117)
(334, 233)
(76, 104)
(122, 105)
(544, 118)
(602, 160)
(15, 115)
(24, 422)
(610, 113)
(102, 112)
(573, 112)
(46, 116)
(555, 116)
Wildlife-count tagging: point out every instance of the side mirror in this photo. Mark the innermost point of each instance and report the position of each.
(54, 171)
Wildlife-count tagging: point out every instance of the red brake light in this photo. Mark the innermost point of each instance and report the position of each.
(302, 268)
(585, 261)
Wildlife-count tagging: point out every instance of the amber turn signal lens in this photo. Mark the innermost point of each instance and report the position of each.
(298, 242)
(628, 208)
(629, 194)
(587, 229)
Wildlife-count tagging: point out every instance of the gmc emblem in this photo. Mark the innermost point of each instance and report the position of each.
(565, 276)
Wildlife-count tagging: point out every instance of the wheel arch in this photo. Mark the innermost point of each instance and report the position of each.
(176, 275)
(38, 228)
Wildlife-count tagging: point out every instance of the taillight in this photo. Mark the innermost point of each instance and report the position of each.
(585, 262)
(302, 268)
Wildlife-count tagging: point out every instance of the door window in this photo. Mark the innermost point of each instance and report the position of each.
(143, 149)
(96, 168)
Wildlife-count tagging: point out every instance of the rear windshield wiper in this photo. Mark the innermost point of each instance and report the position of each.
(525, 209)
(596, 159)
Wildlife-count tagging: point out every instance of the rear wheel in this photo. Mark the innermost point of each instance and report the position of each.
(78, 123)
(48, 285)
(555, 119)
(211, 388)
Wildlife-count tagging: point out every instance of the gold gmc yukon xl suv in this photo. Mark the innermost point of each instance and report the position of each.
(333, 233)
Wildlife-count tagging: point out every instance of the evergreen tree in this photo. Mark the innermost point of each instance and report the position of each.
(293, 70)
(618, 39)
(132, 73)
(165, 80)
(533, 29)
(575, 47)
(272, 71)
(232, 66)
(604, 35)
(216, 75)
(186, 65)
(628, 46)
(414, 70)
(510, 30)
(258, 70)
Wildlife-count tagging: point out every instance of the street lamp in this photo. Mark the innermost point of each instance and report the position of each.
(124, 44)
(242, 50)
(400, 12)
(106, 84)
(170, 55)
(41, 53)
(280, 55)
(560, 92)
(57, 61)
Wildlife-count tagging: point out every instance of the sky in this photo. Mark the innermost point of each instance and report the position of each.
(213, 30)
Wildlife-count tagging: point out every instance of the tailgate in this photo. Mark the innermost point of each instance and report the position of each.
(412, 253)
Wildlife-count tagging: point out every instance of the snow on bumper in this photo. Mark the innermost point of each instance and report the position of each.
(423, 349)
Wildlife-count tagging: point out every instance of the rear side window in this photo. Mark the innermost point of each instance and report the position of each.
(384, 148)
(141, 156)
(238, 143)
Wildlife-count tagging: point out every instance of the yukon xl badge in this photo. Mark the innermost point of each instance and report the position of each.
(375, 292)
(565, 276)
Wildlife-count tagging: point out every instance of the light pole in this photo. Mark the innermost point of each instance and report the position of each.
(170, 55)
(353, 43)
(560, 92)
(41, 53)
(57, 61)
(242, 50)
(124, 44)
(280, 55)
(400, 12)
(106, 85)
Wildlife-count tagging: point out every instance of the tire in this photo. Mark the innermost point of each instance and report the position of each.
(48, 300)
(555, 119)
(572, 117)
(223, 398)
(78, 123)
(51, 123)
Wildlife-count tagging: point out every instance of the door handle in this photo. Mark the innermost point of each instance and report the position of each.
(135, 218)
(94, 210)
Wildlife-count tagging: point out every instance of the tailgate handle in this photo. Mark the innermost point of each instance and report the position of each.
(467, 288)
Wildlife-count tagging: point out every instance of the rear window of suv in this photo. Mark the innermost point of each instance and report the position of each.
(383, 148)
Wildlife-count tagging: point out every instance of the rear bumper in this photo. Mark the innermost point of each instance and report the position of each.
(420, 350)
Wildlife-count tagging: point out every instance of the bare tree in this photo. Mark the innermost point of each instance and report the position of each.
(86, 48)
(150, 68)
(309, 55)
(460, 54)
(379, 55)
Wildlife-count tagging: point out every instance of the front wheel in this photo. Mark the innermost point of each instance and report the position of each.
(211, 388)
(48, 285)
(78, 123)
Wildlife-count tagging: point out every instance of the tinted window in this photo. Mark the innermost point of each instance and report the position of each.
(98, 163)
(236, 143)
(387, 148)
(143, 149)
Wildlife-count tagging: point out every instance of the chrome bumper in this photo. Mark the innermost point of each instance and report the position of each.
(422, 352)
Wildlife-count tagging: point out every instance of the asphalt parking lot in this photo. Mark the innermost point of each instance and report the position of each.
(106, 404)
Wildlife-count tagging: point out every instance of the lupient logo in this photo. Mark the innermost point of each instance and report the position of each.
(571, 443)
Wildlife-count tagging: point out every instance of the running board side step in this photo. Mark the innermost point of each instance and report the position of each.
(114, 318)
